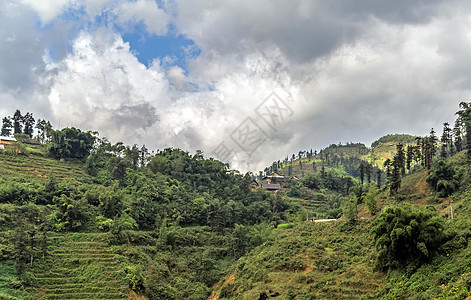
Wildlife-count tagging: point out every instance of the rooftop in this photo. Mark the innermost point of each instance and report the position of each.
(7, 138)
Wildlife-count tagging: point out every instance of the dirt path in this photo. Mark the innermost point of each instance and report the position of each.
(422, 185)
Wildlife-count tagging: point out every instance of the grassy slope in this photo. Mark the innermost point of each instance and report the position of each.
(308, 261)
(38, 168)
(328, 261)
(80, 266)
(378, 154)
(7, 276)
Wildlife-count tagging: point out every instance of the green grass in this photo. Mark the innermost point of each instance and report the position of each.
(80, 266)
(308, 261)
(38, 168)
(7, 277)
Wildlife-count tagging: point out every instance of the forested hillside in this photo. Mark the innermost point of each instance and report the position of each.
(83, 218)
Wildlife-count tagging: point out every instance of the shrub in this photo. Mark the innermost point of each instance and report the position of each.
(442, 179)
(406, 237)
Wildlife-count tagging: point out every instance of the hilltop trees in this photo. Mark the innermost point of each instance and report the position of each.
(71, 143)
(17, 122)
(28, 122)
(6, 126)
(25, 124)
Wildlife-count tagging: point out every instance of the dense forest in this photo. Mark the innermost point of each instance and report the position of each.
(84, 218)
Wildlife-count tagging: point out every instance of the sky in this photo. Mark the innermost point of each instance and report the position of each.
(246, 82)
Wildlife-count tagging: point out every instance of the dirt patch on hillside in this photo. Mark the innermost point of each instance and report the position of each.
(309, 263)
(133, 295)
(217, 287)
(422, 185)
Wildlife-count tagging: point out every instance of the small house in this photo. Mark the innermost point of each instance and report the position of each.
(271, 186)
(274, 178)
(5, 141)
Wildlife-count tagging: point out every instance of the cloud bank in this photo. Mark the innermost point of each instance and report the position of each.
(344, 71)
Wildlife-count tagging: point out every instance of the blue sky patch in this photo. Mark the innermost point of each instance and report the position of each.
(149, 47)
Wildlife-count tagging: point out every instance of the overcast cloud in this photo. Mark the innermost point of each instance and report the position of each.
(345, 70)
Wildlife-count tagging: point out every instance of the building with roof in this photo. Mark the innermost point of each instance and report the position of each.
(5, 141)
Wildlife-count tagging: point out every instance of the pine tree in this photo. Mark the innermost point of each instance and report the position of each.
(17, 122)
(362, 173)
(41, 127)
(464, 116)
(143, 154)
(446, 140)
(457, 135)
(369, 172)
(401, 158)
(6, 126)
(395, 183)
(420, 150)
(28, 122)
(409, 156)
(433, 142)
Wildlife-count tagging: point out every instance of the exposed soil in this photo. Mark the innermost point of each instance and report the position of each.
(217, 287)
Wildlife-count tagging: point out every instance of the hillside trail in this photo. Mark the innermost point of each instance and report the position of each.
(422, 185)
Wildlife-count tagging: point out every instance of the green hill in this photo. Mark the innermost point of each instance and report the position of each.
(335, 260)
(308, 261)
(81, 218)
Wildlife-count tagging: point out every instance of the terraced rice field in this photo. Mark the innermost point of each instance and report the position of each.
(38, 168)
(312, 206)
(7, 275)
(80, 266)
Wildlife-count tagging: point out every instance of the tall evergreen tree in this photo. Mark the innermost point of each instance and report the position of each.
(17, 122)
(433, 142)
(409, 156)
(457, 135)
(446, 141)
(41, 127)
(395, 183)
(6, 126)
(387, 164)
(378, 179)
(464, 116)
(401, 158)
(368, 172)
(28, 121)
(362, 173)
(144, 153)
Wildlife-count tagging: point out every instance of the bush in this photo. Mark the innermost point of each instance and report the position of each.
(406, 237)
(442, 179)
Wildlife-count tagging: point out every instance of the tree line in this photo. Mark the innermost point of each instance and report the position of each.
(25, 124)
